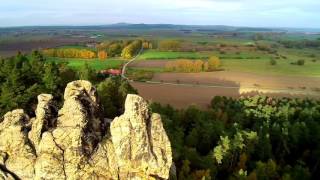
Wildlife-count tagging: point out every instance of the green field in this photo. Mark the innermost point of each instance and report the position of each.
(262, 66)
(75, 47)
(153, 54)
(96, 64)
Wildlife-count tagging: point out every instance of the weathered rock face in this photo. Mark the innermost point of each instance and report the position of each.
(73, 143)
(140, 142)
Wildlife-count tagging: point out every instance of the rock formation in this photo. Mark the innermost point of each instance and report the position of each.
(75, 143)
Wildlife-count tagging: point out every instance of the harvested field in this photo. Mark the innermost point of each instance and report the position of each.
(182, 96)
(183, 89)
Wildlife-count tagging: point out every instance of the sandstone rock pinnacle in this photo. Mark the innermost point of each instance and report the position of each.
(73, 143)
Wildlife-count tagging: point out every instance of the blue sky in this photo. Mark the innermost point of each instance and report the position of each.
(258, 13)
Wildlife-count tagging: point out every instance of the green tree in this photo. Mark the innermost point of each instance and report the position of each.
(114, 50)
(20, 86)
(113, 92)
(266, 171)
(87, 73)
(184, 173)
(51, 79)
(23, 78)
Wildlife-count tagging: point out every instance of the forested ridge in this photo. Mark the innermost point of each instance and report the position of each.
(248, 138)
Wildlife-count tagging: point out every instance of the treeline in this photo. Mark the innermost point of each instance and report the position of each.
(301, 44)
(132, 49)
(169, 45)
(126, 48)
(194, 66)
(113, 48)
(187, 66)
(70, 53)
(247, 138)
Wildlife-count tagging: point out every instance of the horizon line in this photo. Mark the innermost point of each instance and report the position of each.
(125, 23)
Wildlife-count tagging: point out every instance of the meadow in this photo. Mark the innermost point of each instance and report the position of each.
(96, 64)
(263, 67)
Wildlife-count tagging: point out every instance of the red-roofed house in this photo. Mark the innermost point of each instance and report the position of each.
(113, 72)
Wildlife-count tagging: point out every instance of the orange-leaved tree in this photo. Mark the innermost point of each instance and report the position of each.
(102, 55)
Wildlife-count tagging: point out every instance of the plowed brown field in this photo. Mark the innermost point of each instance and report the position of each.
(183, 89)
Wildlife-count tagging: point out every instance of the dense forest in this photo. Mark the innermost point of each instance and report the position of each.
(247, 138)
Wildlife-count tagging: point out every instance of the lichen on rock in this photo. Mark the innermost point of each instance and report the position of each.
(74, 143)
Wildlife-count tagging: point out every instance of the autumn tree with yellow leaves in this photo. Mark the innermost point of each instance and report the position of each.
(70, 53)
(132, 49)
(214, 63)
(185, 65)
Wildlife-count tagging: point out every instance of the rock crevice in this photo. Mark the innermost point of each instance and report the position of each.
(74, 143)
